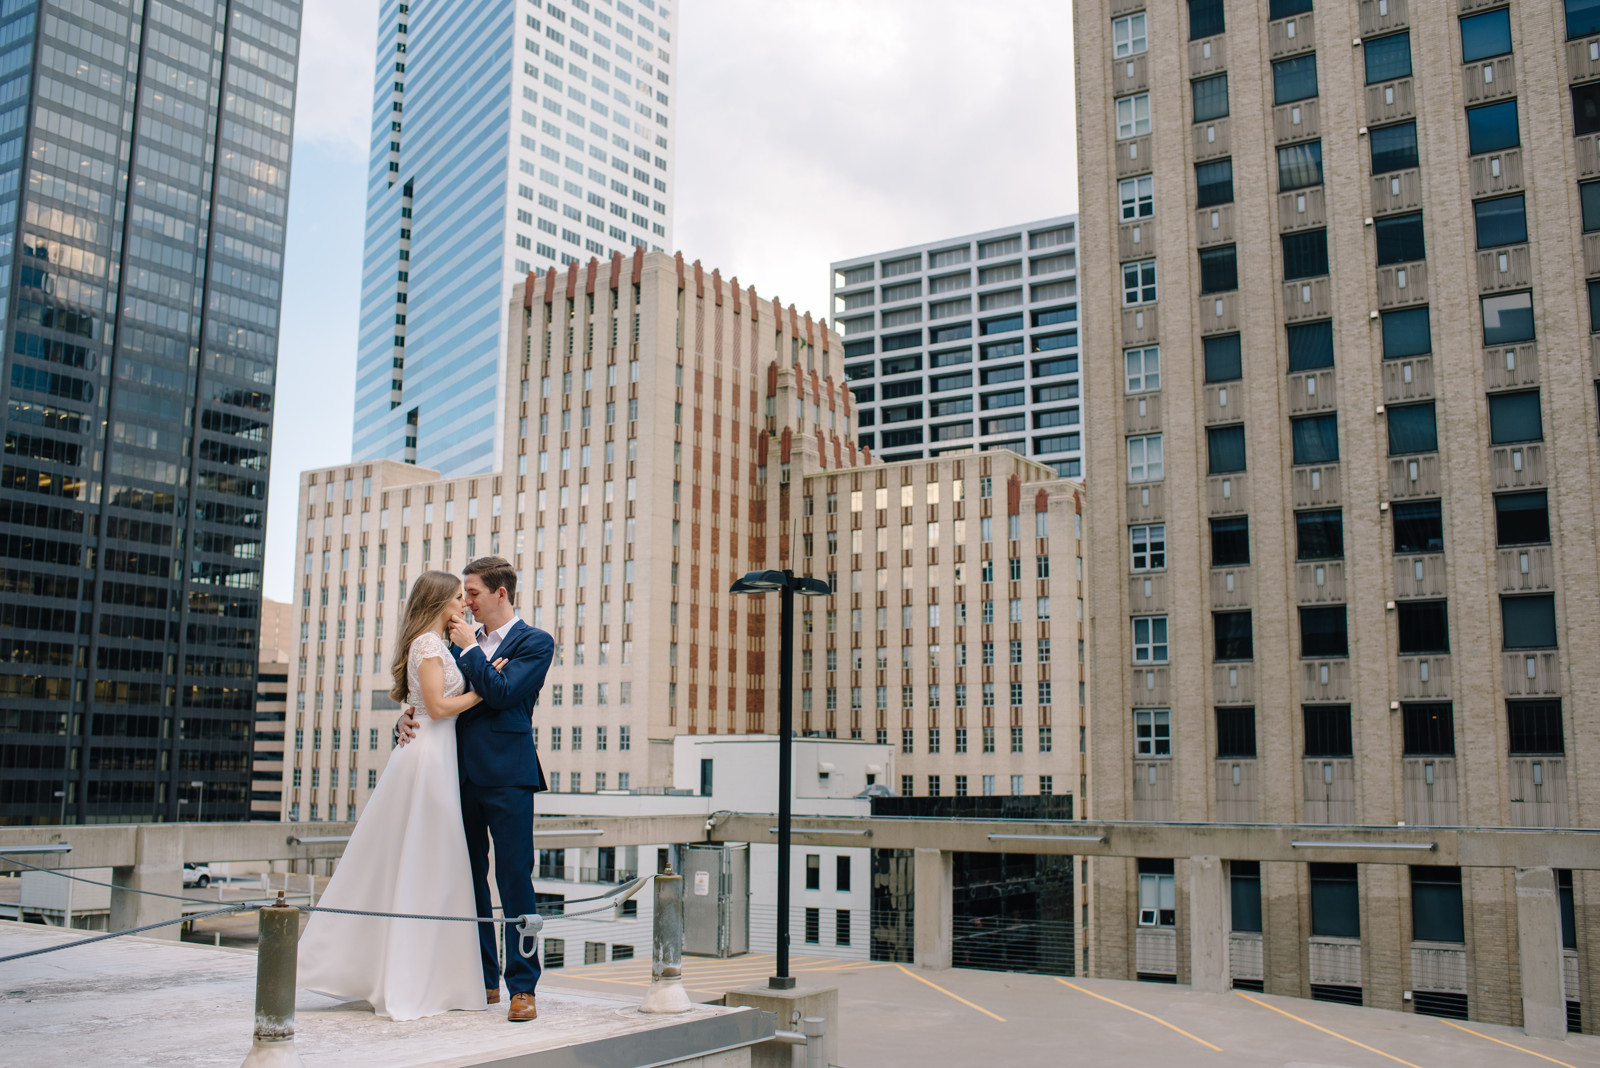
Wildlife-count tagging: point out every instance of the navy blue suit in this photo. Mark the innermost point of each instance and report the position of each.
(500, 773)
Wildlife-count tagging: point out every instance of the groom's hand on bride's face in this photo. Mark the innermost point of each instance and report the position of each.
(462, 633)
(405, 727)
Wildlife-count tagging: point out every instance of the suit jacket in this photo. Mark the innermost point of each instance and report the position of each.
(494, 739)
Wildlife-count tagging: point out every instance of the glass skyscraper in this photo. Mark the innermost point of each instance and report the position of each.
(144, 181)
(507, 137)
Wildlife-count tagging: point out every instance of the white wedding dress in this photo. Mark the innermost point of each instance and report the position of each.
(408, 854)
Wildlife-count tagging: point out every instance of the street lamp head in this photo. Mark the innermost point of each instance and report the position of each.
(812, 587)
(760, 582)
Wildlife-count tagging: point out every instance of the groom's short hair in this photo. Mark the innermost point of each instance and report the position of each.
(494, 572)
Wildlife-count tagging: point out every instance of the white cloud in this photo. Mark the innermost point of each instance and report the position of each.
(338, 41)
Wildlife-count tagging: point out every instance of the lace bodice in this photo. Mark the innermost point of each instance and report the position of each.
(428, 645)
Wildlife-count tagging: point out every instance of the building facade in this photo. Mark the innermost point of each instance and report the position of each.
(667, 432)
(506, 137)
(145, 190)
(967, 343)
(1345, 429)
(272, 707)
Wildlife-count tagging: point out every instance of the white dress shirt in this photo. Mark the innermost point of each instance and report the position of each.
(489, 640)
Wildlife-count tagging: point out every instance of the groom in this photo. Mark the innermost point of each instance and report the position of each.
(500, 770)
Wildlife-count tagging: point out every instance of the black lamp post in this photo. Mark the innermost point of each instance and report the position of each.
(788, 584)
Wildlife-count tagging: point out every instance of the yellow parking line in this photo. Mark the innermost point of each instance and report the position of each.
(948, 994)
(1509, 1045)
(1140, 1012)
(1324, 1030)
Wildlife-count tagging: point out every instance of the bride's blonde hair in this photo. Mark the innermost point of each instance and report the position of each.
(433, 591)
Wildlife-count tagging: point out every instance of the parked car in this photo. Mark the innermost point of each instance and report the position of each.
(196, 875)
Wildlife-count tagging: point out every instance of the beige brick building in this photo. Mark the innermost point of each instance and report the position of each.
(272, 689)
(1343, 443)
(665, 432)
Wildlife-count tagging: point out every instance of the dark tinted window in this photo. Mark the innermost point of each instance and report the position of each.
(1323, 632)
(942, 334)
(1230, 541)
(1493, 127)
(1515, 417)
(1406, 333)
(1569, 914)
(1412, 428)
(1319, 535)
(1585, 109)
(1424, 627)
(1428, 728)
(1594, 305)
(1335, 902)
(1244, 884)
(1387, 57)
(1305, 255)
(1502, 221)
(1233, 635)
(1001, 325)
(853, 349)
(1311, 346)
(1507, 319)
(1213, 183)
(1300, 166)
(903, 364)
(1219, 269)
(1316, 439)
(1294, 79)
(1236, 732)
(1394, 148)
(1418, 527)
(1522, 518)
(1583, 18)
(1589, 196)
(1205, 18)
(912, 388)
(902, 341)
(1225, 449)
(1436, 905)
(1400, 239)
(1535, 728)
(1210, 97)
(1327, 731)
(1486, 35)
(1279, 9)
(1223, 359)
(1529, 622)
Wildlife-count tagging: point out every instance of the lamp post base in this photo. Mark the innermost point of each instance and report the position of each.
(781, 982)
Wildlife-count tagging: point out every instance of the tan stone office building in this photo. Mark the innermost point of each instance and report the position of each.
(665, 431)
(1343, 442)
(272, 693)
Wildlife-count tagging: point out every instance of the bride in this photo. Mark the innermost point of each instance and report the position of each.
(409, 852)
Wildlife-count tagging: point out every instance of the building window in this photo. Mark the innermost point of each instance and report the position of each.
(1305, 255)
(1244, 888)
(1148, 547)
(1223, 358)
(1424, 627)
(813, 871)
(1205, 18)
(1493, 127)
(1149, 639)
(813, 926)
(1535, 728)
(1128, 37)
(1399, 239)
(841, 927)
(1299, 166)
(1436, 905)
(933, 786)
(1230, 541)
(1158, 903)
(1504, 220)
(1418, 527)
(1144, 369)
(1323, 632)
(1394, 148)
(1144, 458)
(1315, 439)
(1294, 79)
(1139, 282)
(1219, 269)
(1515, 417)
(1138, 198)
(1152, 732)
(1529, 622)
(1412, 429)
(1319, 535)
(1282, 9)
(1388, 57)
(1233, 635)
(1327, 731)
(1335, 902)
(1133, 116)
(1236, 733)
(1406, 333)
(1507, 319)
(1586, 108)
(841, 872)
(1213, 183)
(961, 786)
(1522, 518)
(1486, 35)
(1225, 449)
(1210, 96)
(1428, 728)
(1310, 346)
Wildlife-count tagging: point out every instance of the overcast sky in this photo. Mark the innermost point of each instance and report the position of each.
(808, 132)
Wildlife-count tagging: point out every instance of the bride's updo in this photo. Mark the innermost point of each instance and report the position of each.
(432, 593)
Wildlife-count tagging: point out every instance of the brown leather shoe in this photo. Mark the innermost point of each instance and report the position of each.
(493, 993)
(522, 1009)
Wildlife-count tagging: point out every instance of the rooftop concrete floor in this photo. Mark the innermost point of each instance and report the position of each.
(138, 1001)
(901, 1015)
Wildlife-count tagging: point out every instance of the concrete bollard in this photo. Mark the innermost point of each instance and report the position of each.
(273, 1045)
(666, 994)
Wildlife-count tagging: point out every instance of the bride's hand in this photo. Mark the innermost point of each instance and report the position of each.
(502, 662)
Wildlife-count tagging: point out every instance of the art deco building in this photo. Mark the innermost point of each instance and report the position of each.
(1344, 436)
